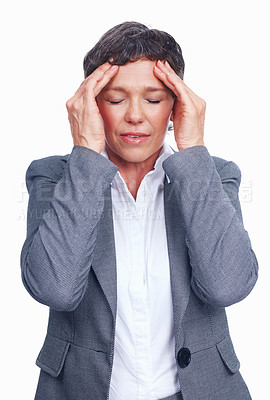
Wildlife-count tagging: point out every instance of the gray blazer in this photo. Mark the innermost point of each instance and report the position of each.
(68, 263)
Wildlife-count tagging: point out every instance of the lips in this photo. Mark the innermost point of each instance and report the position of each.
(134, 134)
(134, 137)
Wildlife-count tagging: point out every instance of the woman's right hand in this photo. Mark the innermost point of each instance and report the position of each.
(83, 112)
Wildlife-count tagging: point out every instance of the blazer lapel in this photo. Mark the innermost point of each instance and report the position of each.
(104, 261)
(178, 256)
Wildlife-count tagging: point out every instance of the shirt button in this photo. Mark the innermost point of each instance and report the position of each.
(184, 357)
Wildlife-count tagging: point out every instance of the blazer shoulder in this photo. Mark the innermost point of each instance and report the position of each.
(51, 167)
(227, 169)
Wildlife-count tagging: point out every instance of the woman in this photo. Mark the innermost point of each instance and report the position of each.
(137, 249)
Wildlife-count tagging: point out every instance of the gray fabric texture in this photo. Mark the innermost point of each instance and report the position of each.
(176, 396)
(68, 263)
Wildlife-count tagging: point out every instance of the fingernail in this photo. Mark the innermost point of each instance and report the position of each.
(114, 67)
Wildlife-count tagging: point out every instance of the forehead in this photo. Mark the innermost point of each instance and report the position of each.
(138, 74)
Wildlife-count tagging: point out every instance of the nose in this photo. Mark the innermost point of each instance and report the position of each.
(134, 113)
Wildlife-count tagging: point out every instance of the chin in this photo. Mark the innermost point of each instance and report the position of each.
(136, 155)
(132, 154)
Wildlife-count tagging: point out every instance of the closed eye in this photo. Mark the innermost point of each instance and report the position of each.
(120, 101)
(153, 101)
(114, 101)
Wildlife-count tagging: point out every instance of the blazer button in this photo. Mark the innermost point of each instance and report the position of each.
(184, 357)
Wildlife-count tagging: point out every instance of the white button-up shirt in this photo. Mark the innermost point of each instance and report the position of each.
(144, 365)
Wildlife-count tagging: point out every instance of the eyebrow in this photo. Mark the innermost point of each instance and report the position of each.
(147, 89)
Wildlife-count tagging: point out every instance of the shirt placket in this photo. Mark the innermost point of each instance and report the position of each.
(138, 294)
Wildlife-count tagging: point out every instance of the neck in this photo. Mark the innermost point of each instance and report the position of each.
(133, 172)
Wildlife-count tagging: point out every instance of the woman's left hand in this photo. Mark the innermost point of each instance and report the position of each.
(188, 111)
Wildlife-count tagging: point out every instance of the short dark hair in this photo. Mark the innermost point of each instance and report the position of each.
(130, 41)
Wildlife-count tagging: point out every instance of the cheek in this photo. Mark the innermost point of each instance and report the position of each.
(161, 116)
(110, 117)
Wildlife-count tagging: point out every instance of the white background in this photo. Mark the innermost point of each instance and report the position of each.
(226, 49)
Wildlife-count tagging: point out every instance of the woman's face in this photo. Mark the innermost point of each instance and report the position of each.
(135, 107)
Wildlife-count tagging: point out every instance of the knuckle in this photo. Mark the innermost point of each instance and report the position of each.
(200, 105)
(68, 104)
(203, 102)
(89, 89)
(74, 108)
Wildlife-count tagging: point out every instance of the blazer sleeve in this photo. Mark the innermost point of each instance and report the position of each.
(66, 201)
(224, 266)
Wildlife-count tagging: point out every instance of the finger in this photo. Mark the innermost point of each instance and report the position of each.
(170, 79)
(179, 81)
(107, 76)
(95, 86)
(97, 75)
(172, 74)
(182, 91)
(179, 87)
(91, 86)
(162, 75)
